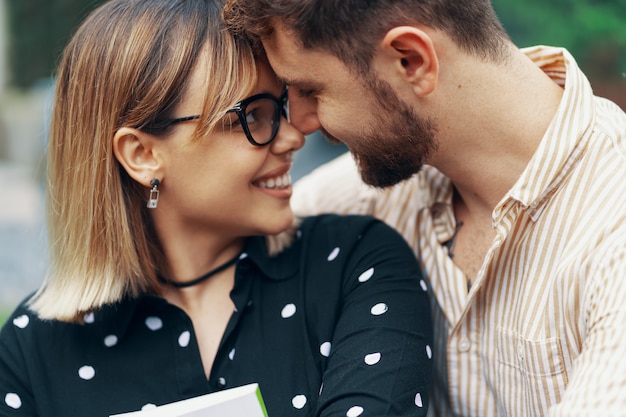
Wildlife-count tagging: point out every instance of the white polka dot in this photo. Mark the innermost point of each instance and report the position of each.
(378, 309)
(418, 400)
(429, 352)
(110, 340)
(231, 354)
(13, 400)
(86, 372)
(184, 338)
(221, 381)
(154, 323)
(244, 255)
(299, 234)
(355, 411)
(366, 275)
(89, 318)
(148, 406)
(21, 321)
(325, 349)
(333, 255)
(299, 401)
(288, 311)
(423, 285)
(372, 358)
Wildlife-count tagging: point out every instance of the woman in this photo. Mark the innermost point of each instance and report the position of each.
(168, 165)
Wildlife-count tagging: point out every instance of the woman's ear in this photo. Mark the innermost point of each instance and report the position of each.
(135, 151)
(410, 54)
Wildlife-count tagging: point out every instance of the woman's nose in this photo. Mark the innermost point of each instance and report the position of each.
(303, 113)
(288, 138)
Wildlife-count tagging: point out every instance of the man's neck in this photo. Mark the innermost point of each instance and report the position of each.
(498, 118)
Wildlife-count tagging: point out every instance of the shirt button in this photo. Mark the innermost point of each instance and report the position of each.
(464, 344)
(221, 382)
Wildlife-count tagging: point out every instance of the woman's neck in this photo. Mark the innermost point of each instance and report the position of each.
(188, 258)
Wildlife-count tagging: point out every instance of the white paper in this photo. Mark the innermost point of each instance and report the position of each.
(244, 401)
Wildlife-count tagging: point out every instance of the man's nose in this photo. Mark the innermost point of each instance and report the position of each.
(303, 113)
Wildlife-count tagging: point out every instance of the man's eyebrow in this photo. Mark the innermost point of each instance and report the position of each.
(283, 79)
(303, 85)
(288, 81)
(300, 83)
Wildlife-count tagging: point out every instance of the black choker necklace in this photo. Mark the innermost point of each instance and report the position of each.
(203, 277)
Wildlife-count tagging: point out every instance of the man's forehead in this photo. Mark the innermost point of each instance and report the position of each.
(286, 60)
(292, 63)
(300, 76)
(281, 42)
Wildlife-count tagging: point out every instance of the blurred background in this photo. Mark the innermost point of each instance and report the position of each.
(33, 33)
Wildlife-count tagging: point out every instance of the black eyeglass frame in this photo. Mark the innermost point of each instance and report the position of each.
(240, 110)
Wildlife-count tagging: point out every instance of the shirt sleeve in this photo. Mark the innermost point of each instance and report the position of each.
(334, 187)
(16, 398)
(597, 384)
(380, 358)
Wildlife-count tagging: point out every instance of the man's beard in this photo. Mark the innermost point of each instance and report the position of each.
(392, 147)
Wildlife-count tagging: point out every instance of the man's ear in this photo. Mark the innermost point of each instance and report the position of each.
(136, 152)
(411, 54)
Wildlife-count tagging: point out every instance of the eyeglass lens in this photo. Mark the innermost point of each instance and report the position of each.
(260, 117)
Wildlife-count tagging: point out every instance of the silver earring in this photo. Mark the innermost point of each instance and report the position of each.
(154, 194)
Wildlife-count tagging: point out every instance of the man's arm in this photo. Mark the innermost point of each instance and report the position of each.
(597, 385)
(334, 187)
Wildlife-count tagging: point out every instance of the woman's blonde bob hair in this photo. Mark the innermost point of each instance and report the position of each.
(127, 65)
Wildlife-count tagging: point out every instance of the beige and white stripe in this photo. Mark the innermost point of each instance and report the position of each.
(542, 331)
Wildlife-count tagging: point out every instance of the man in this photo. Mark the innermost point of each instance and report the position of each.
(517, 211)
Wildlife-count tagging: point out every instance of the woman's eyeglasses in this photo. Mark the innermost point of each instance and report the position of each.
(257, 116)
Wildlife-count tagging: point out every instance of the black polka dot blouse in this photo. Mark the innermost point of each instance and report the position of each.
(337, 325)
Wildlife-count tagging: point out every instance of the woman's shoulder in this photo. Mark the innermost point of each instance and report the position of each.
(21, 333)
(353, 235)
(330, 221)
(345, 226)
(25, 328)
(24, 324)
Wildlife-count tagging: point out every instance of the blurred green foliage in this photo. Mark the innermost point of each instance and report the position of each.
(593, 30)
(3, 316)
(38, 31)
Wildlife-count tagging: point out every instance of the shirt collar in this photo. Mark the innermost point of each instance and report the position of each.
(115, 318)
(565, 139)
(279, 267)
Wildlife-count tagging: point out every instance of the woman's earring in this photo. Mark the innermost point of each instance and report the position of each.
(154, 194)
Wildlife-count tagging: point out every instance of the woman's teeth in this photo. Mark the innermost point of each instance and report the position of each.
(278, 182)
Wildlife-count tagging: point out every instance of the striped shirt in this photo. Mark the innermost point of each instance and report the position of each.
(542, 331)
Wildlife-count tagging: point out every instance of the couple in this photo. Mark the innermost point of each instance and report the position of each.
(498, 166)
